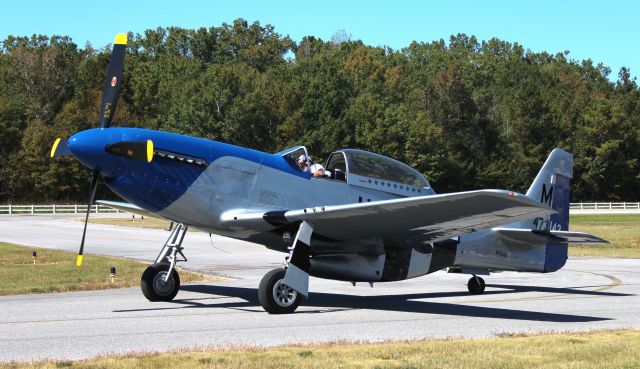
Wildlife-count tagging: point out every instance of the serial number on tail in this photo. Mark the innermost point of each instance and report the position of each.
(543, 224)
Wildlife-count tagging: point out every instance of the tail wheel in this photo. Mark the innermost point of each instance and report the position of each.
(153, 284)
(275, 296)
(476, 285)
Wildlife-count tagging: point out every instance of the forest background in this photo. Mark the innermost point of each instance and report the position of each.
(466, 113)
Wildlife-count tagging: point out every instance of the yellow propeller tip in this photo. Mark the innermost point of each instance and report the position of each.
(55, 147)
(149, 151)
(79, 261)
(121, 39)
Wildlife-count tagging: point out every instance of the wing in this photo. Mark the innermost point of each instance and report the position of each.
(555, 237)
(432, 218)
(125, 206)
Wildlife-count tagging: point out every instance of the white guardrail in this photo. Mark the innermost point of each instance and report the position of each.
(576, 208)
(55, 209)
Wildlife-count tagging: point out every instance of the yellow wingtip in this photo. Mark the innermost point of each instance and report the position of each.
(55, 147)
(121, 39)
(149, 151)
(79, 261)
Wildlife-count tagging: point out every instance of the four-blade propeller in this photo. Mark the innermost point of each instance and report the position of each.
(134, 150)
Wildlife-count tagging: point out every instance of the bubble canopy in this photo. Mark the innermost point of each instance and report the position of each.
(368, 164)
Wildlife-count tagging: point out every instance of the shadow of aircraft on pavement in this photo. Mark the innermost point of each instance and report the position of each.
(320, 302)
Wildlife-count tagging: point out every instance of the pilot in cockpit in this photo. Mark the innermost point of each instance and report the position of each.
(316, 169)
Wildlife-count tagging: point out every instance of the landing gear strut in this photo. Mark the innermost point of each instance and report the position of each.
(160, 281)
(476, 285)
(275, 296)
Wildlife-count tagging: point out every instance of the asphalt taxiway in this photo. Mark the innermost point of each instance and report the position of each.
(587, 294)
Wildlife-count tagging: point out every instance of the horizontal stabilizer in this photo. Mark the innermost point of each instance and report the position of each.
(537, 236)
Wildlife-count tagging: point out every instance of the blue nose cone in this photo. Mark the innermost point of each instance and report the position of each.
(89, 148)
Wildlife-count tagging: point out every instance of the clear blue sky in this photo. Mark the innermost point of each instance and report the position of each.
(604, 31)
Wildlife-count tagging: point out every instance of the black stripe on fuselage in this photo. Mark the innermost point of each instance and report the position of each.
(396, 262)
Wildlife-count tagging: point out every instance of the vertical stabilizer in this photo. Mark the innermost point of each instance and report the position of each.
(552, 188)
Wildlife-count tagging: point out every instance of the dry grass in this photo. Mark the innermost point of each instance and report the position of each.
(622, 230)
(598, 350)
(55, 271)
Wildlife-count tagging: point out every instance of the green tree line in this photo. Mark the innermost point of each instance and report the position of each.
(468, 114)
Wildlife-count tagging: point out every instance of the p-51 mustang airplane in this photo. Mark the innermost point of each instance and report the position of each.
(373, 220)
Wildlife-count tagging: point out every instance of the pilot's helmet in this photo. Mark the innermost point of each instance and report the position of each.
(303, 162)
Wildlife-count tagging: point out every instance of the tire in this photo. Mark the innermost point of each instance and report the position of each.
(275, 296)
(153, 286)
(476, 285)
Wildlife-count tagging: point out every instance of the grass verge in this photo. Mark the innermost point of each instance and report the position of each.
(604, 349)
(622, 230)
(55, 271)
(148, 222)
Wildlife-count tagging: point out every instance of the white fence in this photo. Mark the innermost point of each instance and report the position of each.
(605, 205)
(55, 209)
(576, 208)
(605, 208)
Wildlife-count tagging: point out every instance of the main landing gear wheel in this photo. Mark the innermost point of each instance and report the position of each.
(275, 296)
(476, 285)
(153, 284)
